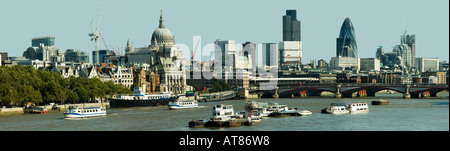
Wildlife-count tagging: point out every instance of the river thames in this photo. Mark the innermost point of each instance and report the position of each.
(400, 115)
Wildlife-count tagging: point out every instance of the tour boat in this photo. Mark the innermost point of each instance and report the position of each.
(180, 104)
(358, 107)
(76, 111)
(336, 108)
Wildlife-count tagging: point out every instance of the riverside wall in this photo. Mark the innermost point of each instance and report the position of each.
(19, 110)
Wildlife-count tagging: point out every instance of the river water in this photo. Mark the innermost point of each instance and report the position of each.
(400, 115)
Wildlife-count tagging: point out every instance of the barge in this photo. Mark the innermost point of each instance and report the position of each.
(223, 116)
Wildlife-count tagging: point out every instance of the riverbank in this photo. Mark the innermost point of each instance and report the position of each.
(62, 108)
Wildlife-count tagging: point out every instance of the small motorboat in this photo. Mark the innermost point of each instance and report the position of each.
(380, 102)
(305, 112)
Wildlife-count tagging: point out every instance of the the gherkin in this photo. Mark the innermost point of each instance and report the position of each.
(346, 43)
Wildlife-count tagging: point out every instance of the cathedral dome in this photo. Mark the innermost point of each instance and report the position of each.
(162, 35)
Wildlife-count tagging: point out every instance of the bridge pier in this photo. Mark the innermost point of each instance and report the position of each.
(406, 96)
(337, 95)
(303, 93)
(407, 90)
(338, 91)
(275, 94)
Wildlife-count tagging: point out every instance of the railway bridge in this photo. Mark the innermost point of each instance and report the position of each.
(355, 90)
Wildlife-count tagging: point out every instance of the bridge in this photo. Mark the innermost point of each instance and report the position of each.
(354, 90)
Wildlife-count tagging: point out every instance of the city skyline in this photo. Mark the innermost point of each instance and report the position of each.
(376, 23)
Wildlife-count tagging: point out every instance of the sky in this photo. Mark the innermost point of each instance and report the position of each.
(376, 23)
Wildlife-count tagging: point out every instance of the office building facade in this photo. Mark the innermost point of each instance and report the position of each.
(290, 55)
(427, 64)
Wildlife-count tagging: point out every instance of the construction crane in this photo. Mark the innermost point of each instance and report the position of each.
(110, 53)
(195, 50)
(94, 36)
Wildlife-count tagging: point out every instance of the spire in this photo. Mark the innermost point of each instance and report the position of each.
(161, 21)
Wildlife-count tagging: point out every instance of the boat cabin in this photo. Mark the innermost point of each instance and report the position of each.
(222, 112)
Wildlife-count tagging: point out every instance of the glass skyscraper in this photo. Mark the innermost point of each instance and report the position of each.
(291, 26)
(346, 43)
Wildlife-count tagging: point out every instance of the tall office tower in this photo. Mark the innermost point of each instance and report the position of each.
(291, 26)
(410, 40)
(380, 55)
(404, 51)
(270, 54)
(226, 52)
(346, 43)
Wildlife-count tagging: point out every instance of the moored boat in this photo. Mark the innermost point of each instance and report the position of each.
(223, 116)
(139, 99)
(285, 111)
(361, 107)
(35, 110)
(336, 108)
(197, 123)
(380, 102)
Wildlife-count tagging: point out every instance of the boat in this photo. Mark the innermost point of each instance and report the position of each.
(282, 111)
(35, 110)
(78, 111)
(182, 104)
(262, 108)
(336, 108)
(305, 112)
(380, 102)
(228, 95)
(253, 116)
(198, 123)
(361, 107)
(224, 116)
(139, 99)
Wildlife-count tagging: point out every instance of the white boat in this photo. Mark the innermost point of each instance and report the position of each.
(253, 116)
(263, 108)
(223, 112)
(336, 108)
(358, 107)
(76, 111)
(305, 112)
(180, 104)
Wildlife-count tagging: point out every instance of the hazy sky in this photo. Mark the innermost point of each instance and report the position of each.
(376, 22)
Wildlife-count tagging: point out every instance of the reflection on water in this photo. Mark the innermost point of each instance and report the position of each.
(399, 115)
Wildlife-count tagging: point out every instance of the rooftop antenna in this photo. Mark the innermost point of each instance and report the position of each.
(94, 35)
